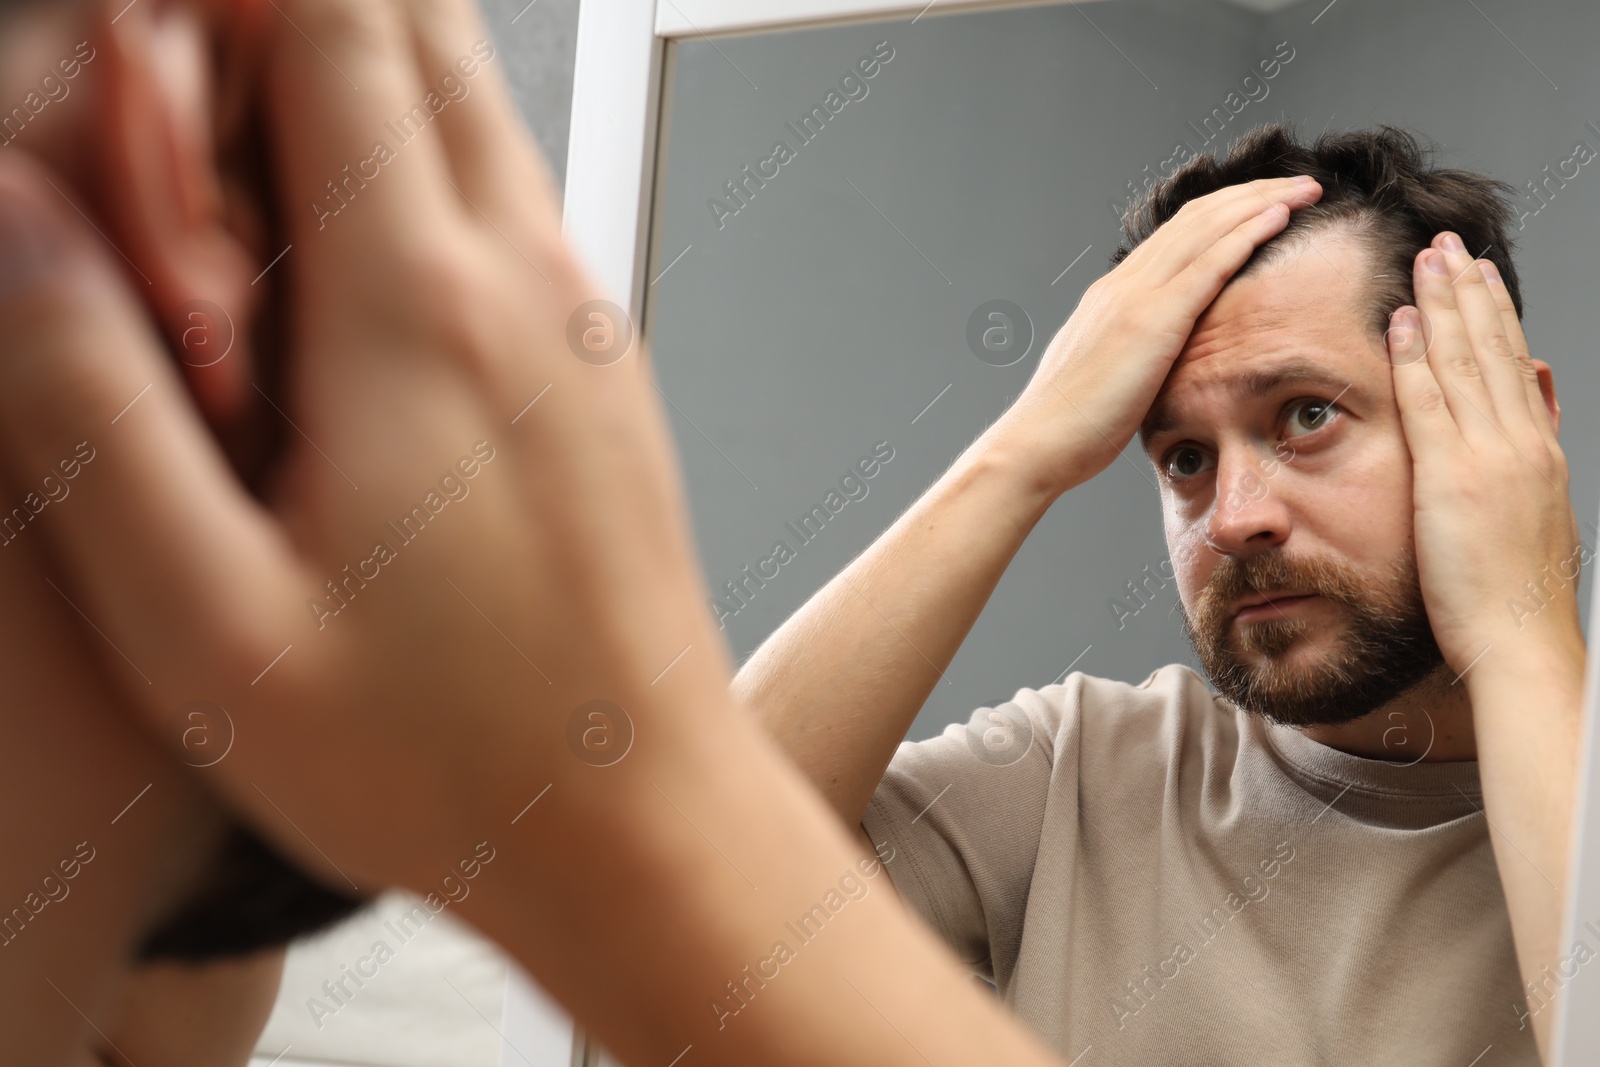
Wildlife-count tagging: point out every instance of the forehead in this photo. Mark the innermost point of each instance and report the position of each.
(1303, 313)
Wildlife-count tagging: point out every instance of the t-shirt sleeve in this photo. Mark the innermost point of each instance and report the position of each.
(962, 813)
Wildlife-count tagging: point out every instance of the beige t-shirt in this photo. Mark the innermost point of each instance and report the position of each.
(1150, 876)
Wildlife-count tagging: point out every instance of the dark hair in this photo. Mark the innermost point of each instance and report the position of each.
(1377, 184)
(249, 899)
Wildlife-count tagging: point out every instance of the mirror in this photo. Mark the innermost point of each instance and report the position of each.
(800, 321)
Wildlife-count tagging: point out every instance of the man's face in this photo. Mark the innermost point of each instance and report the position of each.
(1286, 490)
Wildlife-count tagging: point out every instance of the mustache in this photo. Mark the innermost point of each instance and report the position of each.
(1235, 577)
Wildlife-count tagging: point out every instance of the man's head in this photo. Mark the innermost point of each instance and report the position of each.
(1284, 471)
(1377, 185)
(106, 101)
(247, 898)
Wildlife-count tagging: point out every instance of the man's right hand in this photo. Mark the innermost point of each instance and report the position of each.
(1103, 369)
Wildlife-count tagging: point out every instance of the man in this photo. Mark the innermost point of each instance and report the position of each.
(215, 904)
(1359, 470)
(439, 624)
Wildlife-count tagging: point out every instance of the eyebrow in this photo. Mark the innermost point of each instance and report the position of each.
(1254, 384)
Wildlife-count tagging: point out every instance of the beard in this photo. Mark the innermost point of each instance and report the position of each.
(1385, 648)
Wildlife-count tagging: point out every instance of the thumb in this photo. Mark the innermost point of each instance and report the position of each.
(163, 552)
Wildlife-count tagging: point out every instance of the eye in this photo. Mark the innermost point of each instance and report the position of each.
(1186, 461)
(1308, 416)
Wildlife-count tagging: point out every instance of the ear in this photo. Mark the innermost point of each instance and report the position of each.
(162, 198)
(1547, 389)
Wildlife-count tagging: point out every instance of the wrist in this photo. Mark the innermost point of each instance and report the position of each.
(1540, 668)
(1016, 460)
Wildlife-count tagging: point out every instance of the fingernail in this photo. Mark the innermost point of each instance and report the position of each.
(1395, 336)
(1304, 179)
(1436, 263)
(1491, 273)
(29, 250)
(1453, 243)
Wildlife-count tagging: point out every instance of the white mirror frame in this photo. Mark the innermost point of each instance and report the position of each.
(612, 155)
(616, 100)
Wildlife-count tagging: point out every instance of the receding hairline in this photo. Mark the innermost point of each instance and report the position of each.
(1386, 173)
(1279, 252)
(1360, 227)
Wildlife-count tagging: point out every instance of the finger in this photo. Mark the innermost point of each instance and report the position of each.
(1203, 278)
(490, 152)
(153, 525)
(1486, 334)
(1425, 417)
(1521, 358)
(165, 207)
(1449, 348)
(360, 161)
(1202, 221)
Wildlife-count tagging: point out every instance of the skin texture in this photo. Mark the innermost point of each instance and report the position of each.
(426, 316)
(1448, 444)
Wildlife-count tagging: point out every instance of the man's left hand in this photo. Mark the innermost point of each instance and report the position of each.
(1497, 541)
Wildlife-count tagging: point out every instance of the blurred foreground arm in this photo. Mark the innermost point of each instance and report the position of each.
(410, 632)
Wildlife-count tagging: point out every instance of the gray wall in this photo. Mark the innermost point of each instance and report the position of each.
(827, 314)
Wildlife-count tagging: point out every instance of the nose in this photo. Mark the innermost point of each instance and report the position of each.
(1249, 513)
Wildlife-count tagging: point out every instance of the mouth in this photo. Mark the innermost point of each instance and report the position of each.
(1259, 606)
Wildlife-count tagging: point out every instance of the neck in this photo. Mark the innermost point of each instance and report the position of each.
(1430, 722)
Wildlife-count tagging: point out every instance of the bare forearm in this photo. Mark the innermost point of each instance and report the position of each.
(1527, 716)
(838, 684)
(708, 853)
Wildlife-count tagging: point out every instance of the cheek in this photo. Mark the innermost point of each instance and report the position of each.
(1351, 504)
(1192, 560)
(1366, 507)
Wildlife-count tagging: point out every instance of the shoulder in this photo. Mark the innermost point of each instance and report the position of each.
(1081, 717)
(1082, 709)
